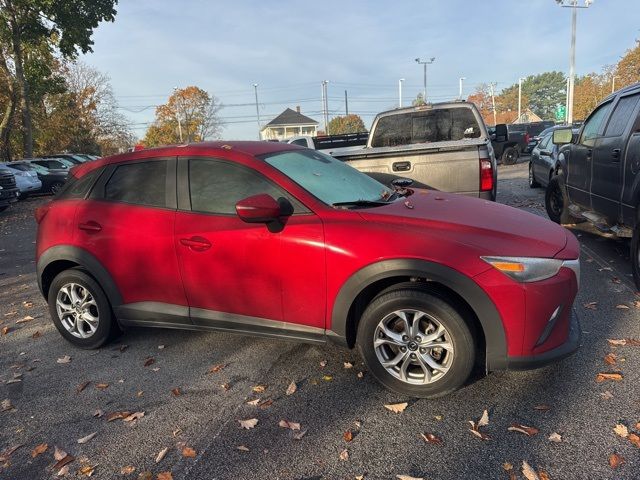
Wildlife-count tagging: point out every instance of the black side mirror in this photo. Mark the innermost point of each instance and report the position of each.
(501, 130)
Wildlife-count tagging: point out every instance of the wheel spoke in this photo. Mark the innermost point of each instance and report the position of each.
(394, 361)
(430, 338)
(425, 369)
(415, 324)
(444, 345)
(431, 363)
(405, 366)
(405, 321)
(77, 310)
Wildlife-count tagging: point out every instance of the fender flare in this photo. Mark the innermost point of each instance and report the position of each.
(84, 259)
(470, 291)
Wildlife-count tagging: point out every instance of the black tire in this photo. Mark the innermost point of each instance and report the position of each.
(56, 187)
(556, 201)
(510, 156)
(532, 178)
(3, 208)
(436, 306)
(635, 255)
(107, 327)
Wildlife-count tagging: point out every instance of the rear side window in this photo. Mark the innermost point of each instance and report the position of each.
(438, 125)
(621, 115)
(300, 141)
(141, 183)
(591, 129)
(78, 187)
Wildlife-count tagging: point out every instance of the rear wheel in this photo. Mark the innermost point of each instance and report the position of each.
(415, 343)
(56, 187)
(532, 177)
(556, 201)
(510, 156)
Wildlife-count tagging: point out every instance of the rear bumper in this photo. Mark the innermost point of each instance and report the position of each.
(569, 347)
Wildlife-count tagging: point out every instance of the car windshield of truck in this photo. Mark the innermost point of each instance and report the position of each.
(437, 125)
(330, 180)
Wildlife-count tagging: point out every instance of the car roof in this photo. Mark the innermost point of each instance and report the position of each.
(252, 148)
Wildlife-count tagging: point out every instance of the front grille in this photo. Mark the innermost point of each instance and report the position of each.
(7, 180)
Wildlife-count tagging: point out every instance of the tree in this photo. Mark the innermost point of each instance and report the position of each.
(65, 26)
(588, 92)
(419, 100)
(507, 101)
(627, 71)
(481, 97)
(190, 115)
(346, 124)
(545, 92)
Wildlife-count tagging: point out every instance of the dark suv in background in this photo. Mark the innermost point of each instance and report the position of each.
(9, 192)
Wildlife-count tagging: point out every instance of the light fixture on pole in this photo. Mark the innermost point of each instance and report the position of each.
(573, 4)
(255, 87)
(613, 83)
(175, 92)
(462, 79)
(425, 63)
(400, 92)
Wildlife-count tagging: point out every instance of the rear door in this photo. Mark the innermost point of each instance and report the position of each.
(608, 158)
(579, 165)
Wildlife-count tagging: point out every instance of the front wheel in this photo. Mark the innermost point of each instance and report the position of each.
(415, 343)
(56, 187)
(556, 201)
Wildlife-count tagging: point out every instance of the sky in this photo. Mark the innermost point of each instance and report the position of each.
(364, 47)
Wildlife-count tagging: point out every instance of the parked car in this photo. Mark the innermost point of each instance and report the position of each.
(278, 240)
(9, 192)
(544, 163)
(53, 163)
(26, 181)
(52, 180)
(70, 157)
(87, 156)
(332, 143)
(442, 146)
(599, 178)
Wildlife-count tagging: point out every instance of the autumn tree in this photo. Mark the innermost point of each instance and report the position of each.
(545, 92)
(588, 92)
(346, 124)
(481, 97)
(190, 115)
(627, 71)
(507, 101)
(64, 26)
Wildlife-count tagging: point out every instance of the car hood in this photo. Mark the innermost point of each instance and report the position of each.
(493, 228)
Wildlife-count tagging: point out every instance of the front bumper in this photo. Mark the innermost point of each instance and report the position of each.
(570, 346)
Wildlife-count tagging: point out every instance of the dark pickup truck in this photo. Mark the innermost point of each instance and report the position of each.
(599, 176)
(9, 192)
(517, 140)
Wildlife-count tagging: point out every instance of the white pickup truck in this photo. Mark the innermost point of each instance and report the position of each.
(442, 146)
(333, 143)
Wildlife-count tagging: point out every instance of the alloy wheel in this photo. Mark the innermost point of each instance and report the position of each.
(556, 202)
(77, 310)
(413, 347)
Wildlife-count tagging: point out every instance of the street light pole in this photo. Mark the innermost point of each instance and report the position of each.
(519, 98)
(255, 87)
(400, 92)
(175, 90)
(325, 106)
(425, 63)
(460, 93)
(613, 83)
(493, 102)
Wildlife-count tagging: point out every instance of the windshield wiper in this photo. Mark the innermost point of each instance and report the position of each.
(361, 203)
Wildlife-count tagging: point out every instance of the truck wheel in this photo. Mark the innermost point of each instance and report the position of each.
(415, 343)
(510, 156)
(532, 178)
(556, 201)
(635, 255)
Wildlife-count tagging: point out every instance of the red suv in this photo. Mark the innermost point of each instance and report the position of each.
(272, 239)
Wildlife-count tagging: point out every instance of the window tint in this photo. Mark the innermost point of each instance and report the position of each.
(300, 141)
(217, 186)
(544, 143)
(621, 115)
(591, 129)
(78, 187)
(142, 183)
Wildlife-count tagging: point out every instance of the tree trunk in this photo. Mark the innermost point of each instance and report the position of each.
(5, 128)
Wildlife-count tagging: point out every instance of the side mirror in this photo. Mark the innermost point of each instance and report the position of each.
(492, 136)
(501, 130)
(258, 209)
(562, 136)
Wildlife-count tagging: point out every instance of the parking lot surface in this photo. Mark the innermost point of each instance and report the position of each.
(190, 391)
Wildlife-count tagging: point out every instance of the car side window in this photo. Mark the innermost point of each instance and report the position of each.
(216, 186)
(591, 128)
(621, 115)
(78, 187)
(544, 143)
(300, 141)
(140, 183)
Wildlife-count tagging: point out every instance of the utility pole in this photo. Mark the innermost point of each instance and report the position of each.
(255, 87)
(346, 103)
(462, 79)
(566, 105)
(400, 92)
(519, 98)
(425, 63)
(492, 86)
(573, 4)
(613, 83)
(325, 107)
(175, 90)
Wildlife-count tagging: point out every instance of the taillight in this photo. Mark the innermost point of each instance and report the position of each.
(486, 175)
(527, 138)
(40, 212)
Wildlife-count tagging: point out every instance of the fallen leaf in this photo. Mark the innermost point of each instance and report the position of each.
(63, 462)
(591, 305)
(133, 416)
(63, 471)
(344, 455)
(59, 454)
(601, 377)
(140, 393)
(160, 347)
(164, 476)
(146, 475)
(82, 386)
(65, 359)
(216, 368)
(616, 280)
(507, 467)
(26, 319)
(624, 341)
(149, 361)
(248, 424)
(36, 334)
(39, 449)
(622, 307)
(610, 359)
(543, 475)
(291, 389)
(299, 435)
(528, 472)
(102, 386)
(128, 470)
(259, 388)
(327, 378)
(117, 416)
(87, 438)
(176, 392)
(87, 470)
(323, 363)
(360, 375)
(528, 431)
(479, 434)
(265, 404)
(27, 304)
(98, 413)
(242, 448)
(5, 330)
(607, 395)
(4, 456)
(188, 452)
(484, 420)
(6, 405)
(288, 424)
(615, 460)
(408, 477)
(347, 436)
(542, 407)
(431, 438)
(348, 365)
(161, 454)
(396, 407)
(225, 386)
(555, 437)
(254, 402)
(635, 439)
(122, 348)
(621, 430)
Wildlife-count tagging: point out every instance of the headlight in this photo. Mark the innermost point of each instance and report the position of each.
(526, 269)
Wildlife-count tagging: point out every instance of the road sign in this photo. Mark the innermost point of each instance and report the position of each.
(561, 112)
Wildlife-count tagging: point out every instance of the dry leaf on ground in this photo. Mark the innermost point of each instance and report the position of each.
(528, 472)
(607, 395)
(117, 416)
(528, 431)
(601, 377)
(65, 359)
(6, 405)
(87, 438)
(128, 470)
(39, 449)
(615, 460)
(188, 452)
(176, 392)
(344, 455)
(87, 470)
(254, 402)
(555, 437)
(288, 424)
(610, 358)
(5, 330)
(408, 477)
(431, 438)
(348, 365)
(542, 407)
(216, 368)
(635, 439)
(133, 416)
(475, 426)
(149, 361)
(82, 386)
(622, 307)
(26, 319)
(102, 386)
(291, 389)
(242, 448)
(347, 436)
(299, 434)
(396, 407)
(164, 476)
(259, 388)
(161, 454)
(591, 305)
(621, 430)
(63, 462)
(58, 453)
(4, 456)
(248, 424)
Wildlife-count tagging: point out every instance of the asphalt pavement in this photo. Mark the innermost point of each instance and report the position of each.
(194, 387)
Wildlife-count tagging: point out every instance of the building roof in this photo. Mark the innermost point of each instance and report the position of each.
(291, 117)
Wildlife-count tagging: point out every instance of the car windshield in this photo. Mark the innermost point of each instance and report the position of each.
(21, 166)
(329, 180)
(63, 161)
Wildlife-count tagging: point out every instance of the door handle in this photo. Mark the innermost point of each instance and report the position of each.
(615, 155)
(197, 244)
(401, 166)
(589, 154)
(90, 226)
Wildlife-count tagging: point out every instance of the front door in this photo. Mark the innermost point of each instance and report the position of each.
(247, 276)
